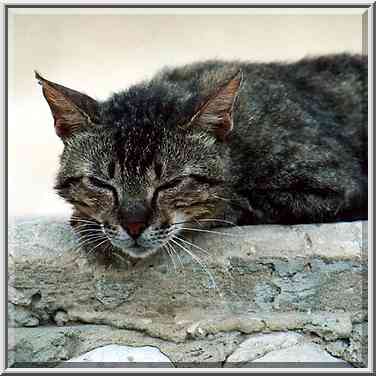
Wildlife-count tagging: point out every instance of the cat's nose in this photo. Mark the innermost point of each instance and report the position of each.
(135, 229)
(134, 217)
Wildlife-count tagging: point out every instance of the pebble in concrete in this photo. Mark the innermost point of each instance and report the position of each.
(124, 354)
(258, 345)
(305, 352)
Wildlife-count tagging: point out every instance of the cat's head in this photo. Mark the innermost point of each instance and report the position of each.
(136, 168)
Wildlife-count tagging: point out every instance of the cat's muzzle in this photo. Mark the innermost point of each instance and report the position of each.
(133, 247)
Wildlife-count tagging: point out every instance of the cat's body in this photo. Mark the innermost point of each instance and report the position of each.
(276, 143)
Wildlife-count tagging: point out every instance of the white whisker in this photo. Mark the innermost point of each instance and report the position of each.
(86, 225)
(90, 230)
(194, 245)
(208, 231)
(92, 250)
(196, 258)
(203, 250)
(90, 240)
(222, 198)
(119, 256)
(176, 253)
(83, 220)
(90, 236)
(218, 220)
(171, 257)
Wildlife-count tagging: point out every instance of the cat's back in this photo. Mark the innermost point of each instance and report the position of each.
(311, 71)
(321, 97)
(342, 76)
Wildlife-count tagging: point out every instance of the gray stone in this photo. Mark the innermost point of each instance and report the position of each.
(39, 236)
(352, 349)
(253, 279)
(21, 316)
(258, 345)
(123, 354)
(32, 345)
(357, 351)
(305, 352)
(61, 318)
(256, 268)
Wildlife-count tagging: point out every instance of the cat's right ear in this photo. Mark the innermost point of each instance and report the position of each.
(72, 111)
(215, 115)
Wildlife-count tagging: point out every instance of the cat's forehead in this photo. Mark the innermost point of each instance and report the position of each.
(122, 152)
(140, 154)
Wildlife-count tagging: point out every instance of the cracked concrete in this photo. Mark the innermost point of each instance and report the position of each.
(259, 279)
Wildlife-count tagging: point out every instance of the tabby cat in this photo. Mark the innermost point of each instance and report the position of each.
(214, 143)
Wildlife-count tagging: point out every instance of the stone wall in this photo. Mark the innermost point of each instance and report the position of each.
(249, 296)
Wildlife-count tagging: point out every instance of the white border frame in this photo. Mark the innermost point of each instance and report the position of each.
(370, 11)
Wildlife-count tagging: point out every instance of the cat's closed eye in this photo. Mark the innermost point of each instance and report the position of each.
(68, 182)
(190, 181)
(185, 191)
(172, 183)
(97, 184)
(87, 190)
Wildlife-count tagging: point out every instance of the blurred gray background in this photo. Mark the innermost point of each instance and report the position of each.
(102, 51)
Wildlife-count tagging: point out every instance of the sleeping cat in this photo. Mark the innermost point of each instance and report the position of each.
(211, 144)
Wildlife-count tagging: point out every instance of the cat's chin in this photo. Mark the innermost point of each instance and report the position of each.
(137, 251)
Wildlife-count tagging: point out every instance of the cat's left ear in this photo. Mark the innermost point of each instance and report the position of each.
(72, 111)
(216, 114)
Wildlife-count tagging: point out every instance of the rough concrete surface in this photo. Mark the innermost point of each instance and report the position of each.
(253, 283)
